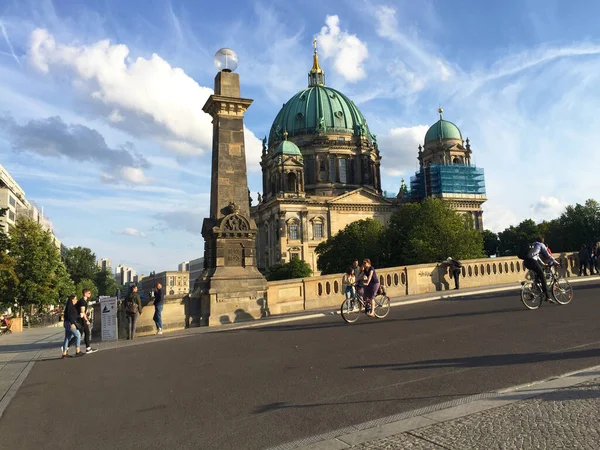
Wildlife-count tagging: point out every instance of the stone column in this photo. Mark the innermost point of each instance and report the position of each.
(230, 288)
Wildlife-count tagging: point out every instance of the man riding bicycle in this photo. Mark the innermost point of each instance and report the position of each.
(535, 256)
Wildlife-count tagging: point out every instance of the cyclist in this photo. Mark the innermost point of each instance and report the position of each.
(535, 258)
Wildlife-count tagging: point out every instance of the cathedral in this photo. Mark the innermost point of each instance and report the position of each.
(321, 170)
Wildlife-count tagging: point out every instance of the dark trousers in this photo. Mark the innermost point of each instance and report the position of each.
(456, 276)
(131, 323)
(85, 331)
(536, 266)
(583, 265)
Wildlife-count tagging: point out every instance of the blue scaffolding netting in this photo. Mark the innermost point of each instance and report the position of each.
(451, 179)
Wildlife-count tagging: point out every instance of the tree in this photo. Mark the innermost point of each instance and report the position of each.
(105, 283)
(43, 277)
(360, 239)
(513, 238)
(431, 231)
(580, 224)
(86, 283)
(491, 242)
(81, 263)
(296, 268)
(8, 276)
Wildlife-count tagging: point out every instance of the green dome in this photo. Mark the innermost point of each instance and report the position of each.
(318, 108)
(287, 148)
(442, 129)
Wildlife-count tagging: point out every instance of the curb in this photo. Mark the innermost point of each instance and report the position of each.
(443, 412)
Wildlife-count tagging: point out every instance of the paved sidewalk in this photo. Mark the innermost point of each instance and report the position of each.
(18, 353)
(557, 413)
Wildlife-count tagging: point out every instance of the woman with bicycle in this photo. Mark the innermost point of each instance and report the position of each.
(371, 284)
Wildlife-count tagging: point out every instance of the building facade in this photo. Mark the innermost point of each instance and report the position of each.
(184, 266)
(195, 270)
(321, 172)
(124, 275)
(105, 264)
(173, 282)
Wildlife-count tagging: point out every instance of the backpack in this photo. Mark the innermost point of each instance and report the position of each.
(526, 251)
(131, 306)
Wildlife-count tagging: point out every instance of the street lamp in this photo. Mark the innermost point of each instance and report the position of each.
(226, 60)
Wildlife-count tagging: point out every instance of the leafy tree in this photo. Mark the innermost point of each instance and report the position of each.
(8, 277)
(296, 268)
(43, 277)
(431, 231)
(86, 283)
(360, 239)
(491, 242)
(105, 283)
(81, 263)
(513, 238)
(580, 224)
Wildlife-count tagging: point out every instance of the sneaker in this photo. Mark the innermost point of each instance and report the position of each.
(159, 331)
(77, 355)
(91, 350)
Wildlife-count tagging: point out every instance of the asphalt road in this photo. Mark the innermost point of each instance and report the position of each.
(260, 387)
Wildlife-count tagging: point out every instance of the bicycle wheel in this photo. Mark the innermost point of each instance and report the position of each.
(531, 295)
(382, 306)
(350, 311)
(562, 291)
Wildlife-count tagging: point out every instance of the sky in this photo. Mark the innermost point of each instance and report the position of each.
(101, 119)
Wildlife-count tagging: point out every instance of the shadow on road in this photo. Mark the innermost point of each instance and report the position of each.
(581, 392)
(487, 360)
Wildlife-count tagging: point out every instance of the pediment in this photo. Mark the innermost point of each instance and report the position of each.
(360, 196)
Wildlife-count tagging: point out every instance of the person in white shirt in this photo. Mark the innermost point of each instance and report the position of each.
(536, 259)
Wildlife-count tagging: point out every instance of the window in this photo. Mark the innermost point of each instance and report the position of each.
(294, 231)
(294, 255)
(171, 281)
(12, 201)
(318, 230)
(11, 215)
(332, 169)
(343, 171)
(341, 139)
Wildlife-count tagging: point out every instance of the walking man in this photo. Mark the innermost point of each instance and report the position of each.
(158, 307)
(455, 267)
(84, 321)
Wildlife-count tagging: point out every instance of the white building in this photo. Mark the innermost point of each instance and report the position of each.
(105, 264)
(13, 198)
(196, 268)
(124, 275)
(184, 267)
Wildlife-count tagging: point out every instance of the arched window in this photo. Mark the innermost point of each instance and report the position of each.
(291, 182)
(456, 160)
(318, 228)
(293, 226)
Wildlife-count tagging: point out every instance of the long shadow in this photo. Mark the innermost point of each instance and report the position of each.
(573, 393)
(277, 406)
(466, 314)
(20, 348)
(486, 360)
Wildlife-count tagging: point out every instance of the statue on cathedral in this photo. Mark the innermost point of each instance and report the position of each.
(264, 144)
(259, 197)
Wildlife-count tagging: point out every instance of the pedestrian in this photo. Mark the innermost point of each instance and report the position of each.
(84, 321)
(455, 269)
(158, 307)
(356, 268)
(584, 260)
(348, 286)
(70, 324)
(133, 309)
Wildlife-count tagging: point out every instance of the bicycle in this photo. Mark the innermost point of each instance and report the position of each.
(532, 294)
(351, 307)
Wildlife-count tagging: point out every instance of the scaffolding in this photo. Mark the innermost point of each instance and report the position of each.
(435, 180)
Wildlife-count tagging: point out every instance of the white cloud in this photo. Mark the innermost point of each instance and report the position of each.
(548, 208)
(142, 96)
(347, 51)
(399, 149)
(131, 232)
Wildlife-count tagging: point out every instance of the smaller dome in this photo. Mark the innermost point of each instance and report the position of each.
(286, 147)
(442, 129)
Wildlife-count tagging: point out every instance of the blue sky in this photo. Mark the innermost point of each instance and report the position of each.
(101, 116)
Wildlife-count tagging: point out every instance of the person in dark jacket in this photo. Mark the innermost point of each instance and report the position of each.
(455, 268)
(159, 301)
(133, 309)
(584, 260)
(70, 324)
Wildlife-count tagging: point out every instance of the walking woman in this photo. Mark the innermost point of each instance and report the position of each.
(371, 284)
(70, 324)
(133, 309)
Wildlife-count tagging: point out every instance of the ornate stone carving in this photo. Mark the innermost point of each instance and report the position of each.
(235, 223)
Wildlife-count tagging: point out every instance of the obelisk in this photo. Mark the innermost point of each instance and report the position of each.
(231, 289)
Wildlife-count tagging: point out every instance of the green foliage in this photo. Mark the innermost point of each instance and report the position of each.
(431, 231)
(360, 239)
(43, 279)
(105, 283)
(296, 268)
(81, 263)
(491, 242)
(579, 224)
(86, 283)
(513, 238)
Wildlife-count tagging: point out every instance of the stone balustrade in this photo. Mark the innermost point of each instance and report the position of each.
(325, 291)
